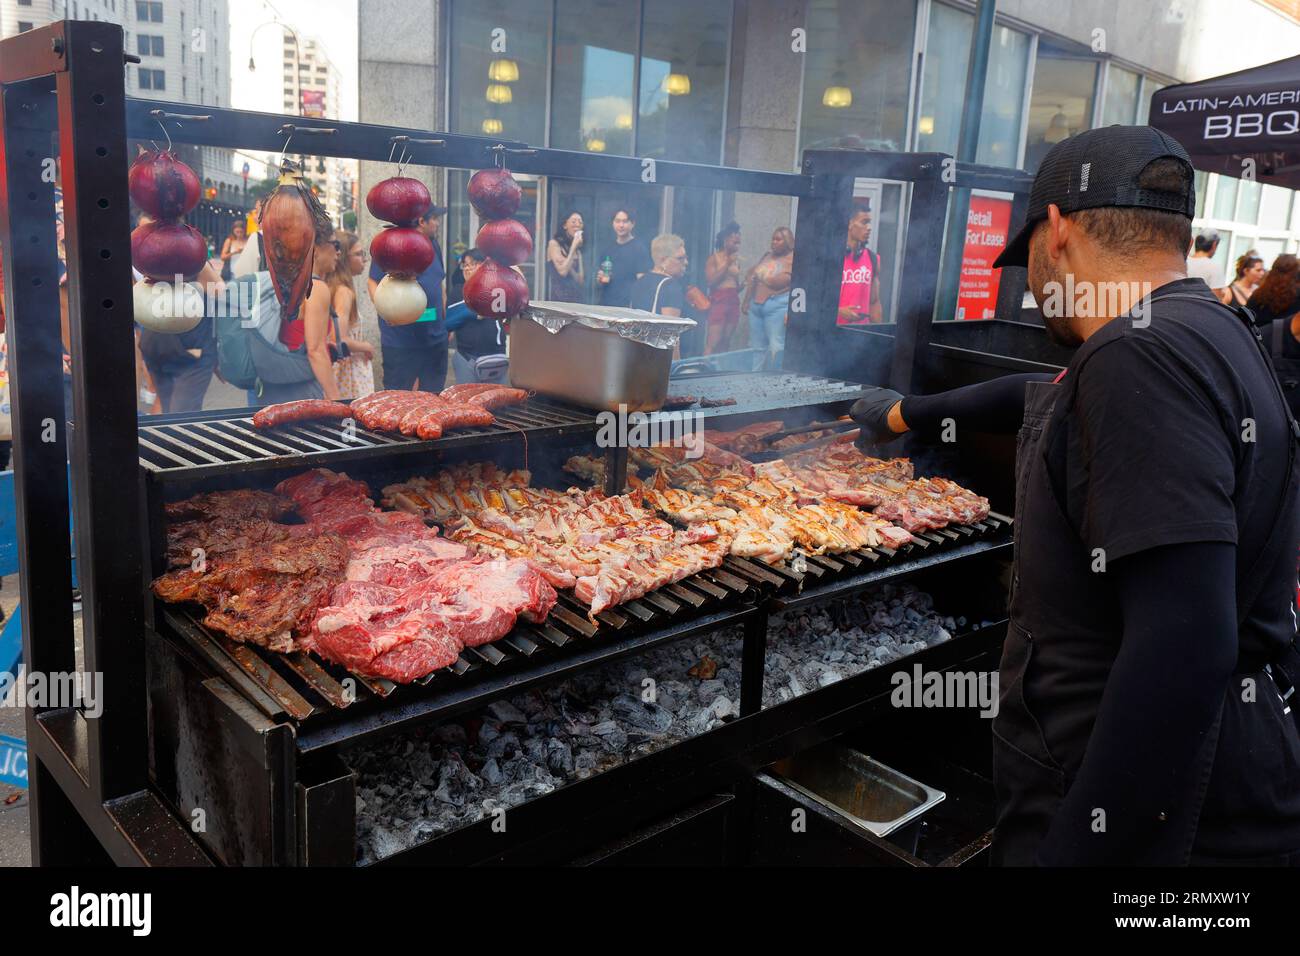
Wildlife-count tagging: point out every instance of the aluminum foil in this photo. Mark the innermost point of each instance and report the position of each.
(657, 331)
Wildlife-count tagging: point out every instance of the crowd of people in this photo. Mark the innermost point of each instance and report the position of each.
(736, 305)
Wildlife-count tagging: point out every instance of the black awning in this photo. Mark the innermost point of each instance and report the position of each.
(1225, 121)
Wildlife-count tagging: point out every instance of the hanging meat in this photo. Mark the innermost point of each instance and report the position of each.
(288, 224)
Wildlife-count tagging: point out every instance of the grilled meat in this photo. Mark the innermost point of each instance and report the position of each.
(230, 506)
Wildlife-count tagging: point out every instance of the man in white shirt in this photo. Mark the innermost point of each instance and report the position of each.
(1201, 265)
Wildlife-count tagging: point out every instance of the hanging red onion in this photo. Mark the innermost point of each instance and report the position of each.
(495, 291)
(399, 199)
(505, 240)
(288, 225)
(162, 250)
(402, 250)
(494, 194)
(162, 185)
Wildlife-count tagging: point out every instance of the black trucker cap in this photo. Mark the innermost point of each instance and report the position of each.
(1095, 168)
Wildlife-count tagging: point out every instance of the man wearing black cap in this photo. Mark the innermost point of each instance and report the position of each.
(1143, 716)
(417, 353)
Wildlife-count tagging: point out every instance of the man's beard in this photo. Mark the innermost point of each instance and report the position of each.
(1041, 274)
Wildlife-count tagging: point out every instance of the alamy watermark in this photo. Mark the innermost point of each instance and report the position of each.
(952, 689)
(83, 691)
(624, 429)
(1087, 300)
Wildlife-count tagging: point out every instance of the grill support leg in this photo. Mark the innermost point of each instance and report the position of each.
(615, 470)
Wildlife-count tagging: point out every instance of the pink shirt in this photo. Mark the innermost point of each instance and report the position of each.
(855, 287)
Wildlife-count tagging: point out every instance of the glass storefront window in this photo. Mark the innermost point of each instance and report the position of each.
(856, 73)
(1119, 105)
(595, 59)
(1202, 180)
(1274, 205)
(1060, 104)
(514, 79)
(1248, 205)
(1225, 197)
(683, 78)
(947, 59)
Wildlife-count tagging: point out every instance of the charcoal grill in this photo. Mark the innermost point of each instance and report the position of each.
(191, 721)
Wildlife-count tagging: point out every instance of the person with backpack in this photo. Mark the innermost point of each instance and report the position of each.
(181, 365)
(281, 360)
(480, 354)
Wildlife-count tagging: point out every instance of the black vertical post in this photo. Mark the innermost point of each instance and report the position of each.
(28, 121)
(967, 150)
(820, 229)
(1012, 281)
(920, 256)
(103, 447)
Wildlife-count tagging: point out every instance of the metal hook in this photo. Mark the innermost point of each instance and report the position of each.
(158, 115)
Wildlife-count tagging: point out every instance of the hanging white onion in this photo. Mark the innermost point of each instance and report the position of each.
(159, 307)
(399, 300)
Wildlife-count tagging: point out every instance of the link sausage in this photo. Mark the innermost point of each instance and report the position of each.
(308, 409)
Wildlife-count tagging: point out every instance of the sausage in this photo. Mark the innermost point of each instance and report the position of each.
(461, 416)
(414, 414)
(458, 393)
(273, 416)
(429, 427)
(365, 415)
(501, 395)
(373, 412)
(388, 419)
(374, 397)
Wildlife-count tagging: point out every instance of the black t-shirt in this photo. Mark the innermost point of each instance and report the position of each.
(671, 293)
(479, 337)
(627, 260)
(1169, 434)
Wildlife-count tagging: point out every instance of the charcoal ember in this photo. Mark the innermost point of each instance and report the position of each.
(488, 732)
(491, 772)
(647, 717)
(722, 707)
(672, 694)
(709, 689)
(455, 782)
(829, 677)
(535, 749)
(505, 745)
(559, 757)
(506, 712)
(452, 734)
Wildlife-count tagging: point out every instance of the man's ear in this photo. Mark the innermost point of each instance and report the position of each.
(1058, 231)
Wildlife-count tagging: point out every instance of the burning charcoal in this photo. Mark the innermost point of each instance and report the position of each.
(829, 677)
(506, 712)
(650, 718)
(710, 689)
(489, 732)
(559, 757)
(584, 763)
(535, 750)
(705, 669)
(491, 772)
(506, 744)
(721, 707)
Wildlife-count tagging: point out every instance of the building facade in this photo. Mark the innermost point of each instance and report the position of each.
(752, 83)
(312, 88)
(184, 51)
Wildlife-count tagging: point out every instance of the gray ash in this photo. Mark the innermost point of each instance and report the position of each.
(416, 785)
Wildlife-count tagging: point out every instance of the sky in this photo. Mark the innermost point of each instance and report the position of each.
(333, 23)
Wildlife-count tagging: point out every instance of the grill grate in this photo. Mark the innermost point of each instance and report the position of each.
(761, 392)
(202, 446)
(302, 688)
(189, 447)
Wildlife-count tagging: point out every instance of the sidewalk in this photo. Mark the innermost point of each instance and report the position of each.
(15, 837)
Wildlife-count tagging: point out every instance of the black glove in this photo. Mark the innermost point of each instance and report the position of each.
(872, 415)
